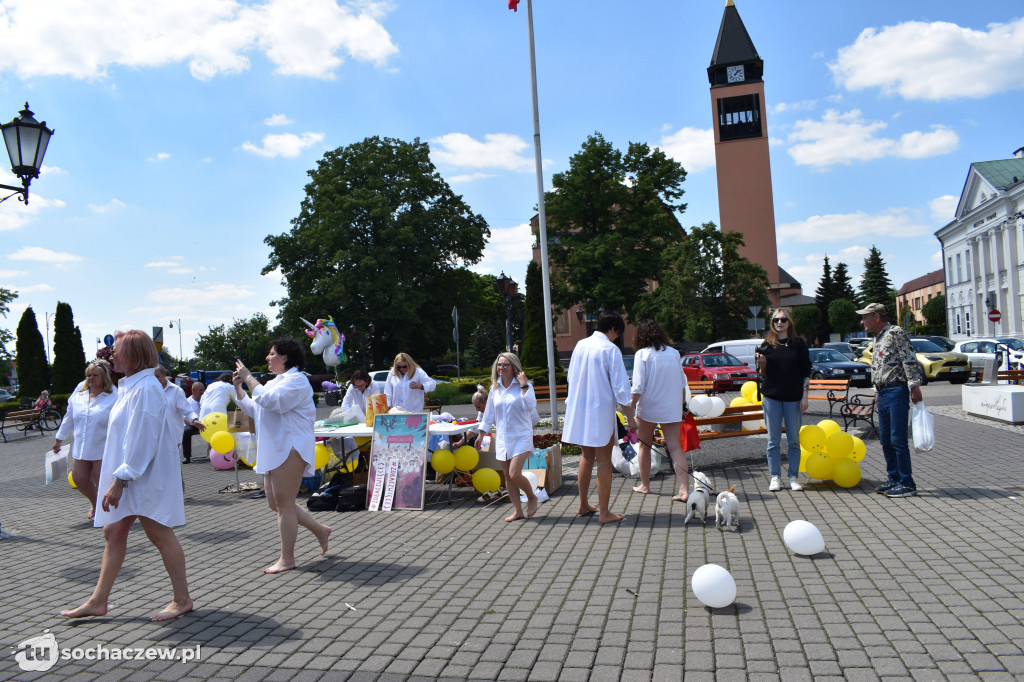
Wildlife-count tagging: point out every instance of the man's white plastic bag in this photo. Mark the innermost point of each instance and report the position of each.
(924, 428)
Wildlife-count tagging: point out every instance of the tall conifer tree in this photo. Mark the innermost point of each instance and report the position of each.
(875, 286)
(68, 354)
(33, 372)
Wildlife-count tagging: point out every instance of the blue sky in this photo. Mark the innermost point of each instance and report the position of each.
(184, 130)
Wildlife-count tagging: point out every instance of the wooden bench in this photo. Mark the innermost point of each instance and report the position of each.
(835, 391)
(859, 407)
(705, 387)
(743, 413)
(1012, 375)
(21, 420)
(543, 392)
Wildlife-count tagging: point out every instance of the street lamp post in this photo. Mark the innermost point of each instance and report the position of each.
(181, 354)
(508, 288)
(585, 316)
(26, 140)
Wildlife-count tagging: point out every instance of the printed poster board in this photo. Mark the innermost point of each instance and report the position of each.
(398, 462)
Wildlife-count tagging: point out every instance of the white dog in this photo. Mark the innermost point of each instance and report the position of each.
(727, 510)
(697, 502)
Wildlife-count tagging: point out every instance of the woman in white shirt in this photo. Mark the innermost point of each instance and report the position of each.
(407, 384)
(510, 407)
(86, 420)
(361, 387)
(142, 476)
(659, 387)
(284, 415)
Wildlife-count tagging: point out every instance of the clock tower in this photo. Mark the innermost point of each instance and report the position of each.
(741, 146)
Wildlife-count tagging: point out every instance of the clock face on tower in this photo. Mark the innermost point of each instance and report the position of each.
(734, 74)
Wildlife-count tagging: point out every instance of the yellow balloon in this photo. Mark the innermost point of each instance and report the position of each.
(321, 456)
(803, 427)
(222, 442)
(846, 473)
(819, 466)
(466, 458)
(739, 401)
(443, 461)
(71, 481)
(813, 438)
(804, 455)
(215, 422)
(859, 449)
(486, 480)
(749, 390)
(840, 445)
(829, 427)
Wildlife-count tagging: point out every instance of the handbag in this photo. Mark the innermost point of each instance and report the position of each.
(924, 428)
(689, 436)
(241, 422)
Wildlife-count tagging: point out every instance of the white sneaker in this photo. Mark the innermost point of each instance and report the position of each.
(795, 484)
(775, 485)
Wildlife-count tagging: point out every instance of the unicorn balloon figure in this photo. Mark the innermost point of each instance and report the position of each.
(327, 340)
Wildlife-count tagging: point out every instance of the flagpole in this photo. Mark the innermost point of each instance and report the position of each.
(543, 226)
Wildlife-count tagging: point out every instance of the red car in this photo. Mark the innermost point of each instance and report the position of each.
(728, 373)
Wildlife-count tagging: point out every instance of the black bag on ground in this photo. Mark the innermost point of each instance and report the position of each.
(352, 498)
(326, 496)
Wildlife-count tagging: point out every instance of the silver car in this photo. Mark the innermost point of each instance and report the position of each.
(978, 351)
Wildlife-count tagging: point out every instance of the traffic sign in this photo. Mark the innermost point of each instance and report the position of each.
(108, 340)
(994, 315)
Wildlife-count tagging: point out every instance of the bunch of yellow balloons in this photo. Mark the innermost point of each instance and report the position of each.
(466, 458)
(748, 396)
(828, 452)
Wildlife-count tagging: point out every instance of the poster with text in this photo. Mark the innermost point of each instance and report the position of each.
(398, 461)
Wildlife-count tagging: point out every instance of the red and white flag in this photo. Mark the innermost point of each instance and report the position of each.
(513, 5)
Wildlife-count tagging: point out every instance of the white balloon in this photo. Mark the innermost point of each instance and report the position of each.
(700, 405)
(803, 537)
(752, 425)
(717, 407)
(532, 478)
(714, 586)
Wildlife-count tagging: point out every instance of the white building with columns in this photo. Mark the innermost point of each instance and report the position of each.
(982, 249)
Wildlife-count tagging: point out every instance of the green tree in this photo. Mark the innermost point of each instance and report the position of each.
(823, 296)
(707, 287)
(934, 312)
(33, 372)
(875, 285)
(842, 285)
(248, 339)
(6, 296)
(807, 321)
(534, 344)
(842, 316)
(68, 358)
(377, 238)
(609, 218)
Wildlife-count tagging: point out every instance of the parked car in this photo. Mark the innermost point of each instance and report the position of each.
(185, 381)
(844, 348)
(942, 342)
(724, 369)
(743, 349)
(935, 363)
(1015, 344)
(6, 397)
(858, 343)
(980, 350)
(627, 360)
(828, 363)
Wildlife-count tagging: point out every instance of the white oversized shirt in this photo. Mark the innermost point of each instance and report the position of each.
(356, 398)
(139, 449)
(659, 380)
(216, 398)
(178, 409)
(284, 414)
(597, 383)
(86, 421)
(512, 413)
(399, 394)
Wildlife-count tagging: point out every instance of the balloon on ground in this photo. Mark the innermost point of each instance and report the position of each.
(846, 473)
(803, 537)
(714, 586)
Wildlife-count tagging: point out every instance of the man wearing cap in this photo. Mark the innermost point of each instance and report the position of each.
(897, 377)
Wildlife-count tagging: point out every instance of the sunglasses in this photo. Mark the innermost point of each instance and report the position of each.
(779, 320)
(402, 366)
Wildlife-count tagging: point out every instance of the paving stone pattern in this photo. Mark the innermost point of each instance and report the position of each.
(927, 587)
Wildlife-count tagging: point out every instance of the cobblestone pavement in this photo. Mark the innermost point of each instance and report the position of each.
(927, 587)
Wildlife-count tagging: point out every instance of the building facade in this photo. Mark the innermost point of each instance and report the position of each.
(982, 249)
(913, 296)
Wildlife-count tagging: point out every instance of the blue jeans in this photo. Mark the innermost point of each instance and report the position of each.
(893, 413)
(775, 411)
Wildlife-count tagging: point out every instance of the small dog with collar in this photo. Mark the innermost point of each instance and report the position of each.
(697, 502)
(727, 510)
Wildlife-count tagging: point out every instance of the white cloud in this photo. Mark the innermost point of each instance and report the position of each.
(111, 205)
(934, 61)
(44, 255)
(844, 138)
(85, 39)
(7, 274)
(215, 292)
(278, 120)
(162, 156)
(30, 289)
(469, 177)
(508, 249)
(14, 214)
(894, 222)
(283, 144)
(692, 147)
(937, 259)
(498, 150)
(52, 170)
(944, 208)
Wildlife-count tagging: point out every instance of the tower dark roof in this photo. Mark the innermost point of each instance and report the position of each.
(733, 45)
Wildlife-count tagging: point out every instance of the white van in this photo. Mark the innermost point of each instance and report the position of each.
(743, 349)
